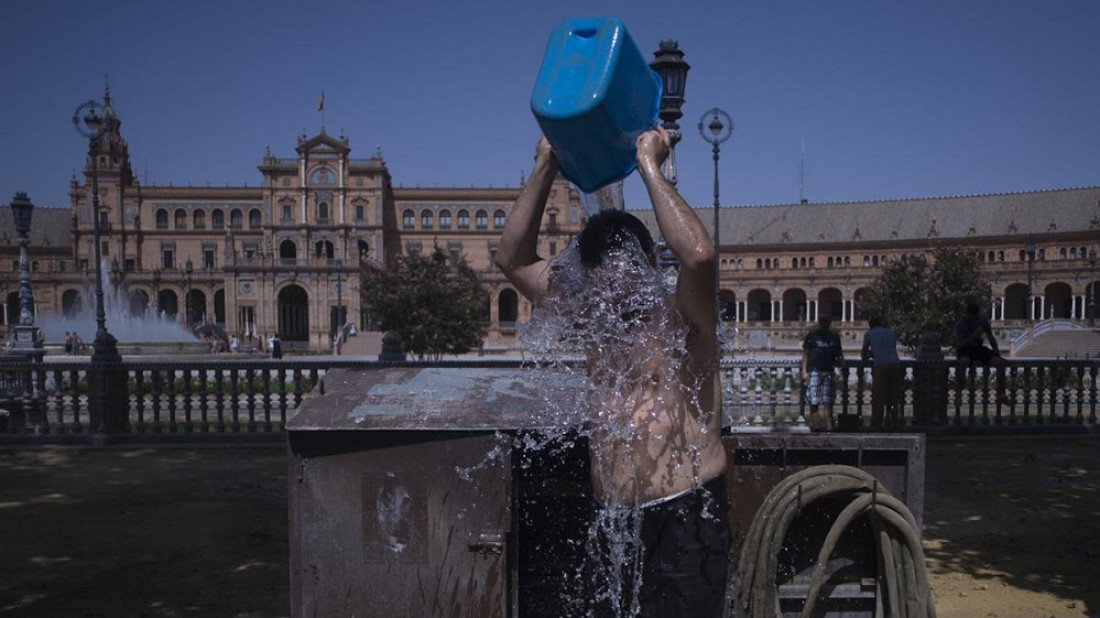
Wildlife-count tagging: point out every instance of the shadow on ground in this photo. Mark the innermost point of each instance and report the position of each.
(114, 532)
(1009, 516)
(202, 531)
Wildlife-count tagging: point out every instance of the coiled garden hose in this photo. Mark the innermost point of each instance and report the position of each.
(901, 589)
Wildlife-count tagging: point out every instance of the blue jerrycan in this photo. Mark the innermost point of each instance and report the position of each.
(594, 96)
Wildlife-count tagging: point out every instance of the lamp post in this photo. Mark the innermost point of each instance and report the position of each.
(1030, 250)
(716, 130)
(339, 294)
(1092, 288)
(26, 333)
(668, 63)
(188, 269)
(156, 292)
(89, 124)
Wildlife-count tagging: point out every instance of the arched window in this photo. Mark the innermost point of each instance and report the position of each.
(874, 260)
(181, 219)
(463, 220)
(867, 261)
(325, 249)
(288, 250)
(198, 219)
(426, 219)
(235, 219)
(759, 264)
(498, 219)
(322, 176)
(255, 219)
(482, 220)
(444, 219)
(162, 219)
(217, 220)
(408, 219)
(847, 261)
(829, 262)
(322, 211)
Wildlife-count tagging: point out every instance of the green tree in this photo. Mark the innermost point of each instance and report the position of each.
(927, 294)
(432, 301)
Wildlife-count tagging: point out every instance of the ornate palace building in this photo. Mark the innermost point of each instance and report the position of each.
(284, 256)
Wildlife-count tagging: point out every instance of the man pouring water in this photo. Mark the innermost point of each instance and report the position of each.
(654, 399)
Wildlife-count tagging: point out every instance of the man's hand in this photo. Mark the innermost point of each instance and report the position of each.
(545, 154)
(652, 149)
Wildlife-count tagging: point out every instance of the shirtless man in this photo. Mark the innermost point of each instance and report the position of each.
(655, 413)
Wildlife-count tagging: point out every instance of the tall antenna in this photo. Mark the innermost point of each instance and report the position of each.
(802, 173)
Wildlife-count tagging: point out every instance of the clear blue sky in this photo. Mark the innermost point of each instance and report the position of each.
(894, 99)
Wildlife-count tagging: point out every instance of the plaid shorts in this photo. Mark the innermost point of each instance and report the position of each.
(820, 388)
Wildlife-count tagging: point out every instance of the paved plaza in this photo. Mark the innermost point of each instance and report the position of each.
(1012, 528)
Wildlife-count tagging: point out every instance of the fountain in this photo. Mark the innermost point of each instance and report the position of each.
(149, 333)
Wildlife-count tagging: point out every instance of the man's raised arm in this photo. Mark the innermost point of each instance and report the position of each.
(517, 255)
(684, 233)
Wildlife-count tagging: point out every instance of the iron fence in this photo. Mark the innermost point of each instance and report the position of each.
(235, 399)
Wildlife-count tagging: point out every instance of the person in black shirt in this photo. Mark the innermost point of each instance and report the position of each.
(821, 352)
(969, 349)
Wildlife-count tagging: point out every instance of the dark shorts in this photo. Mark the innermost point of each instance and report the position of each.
(980, 355)
(684, 554)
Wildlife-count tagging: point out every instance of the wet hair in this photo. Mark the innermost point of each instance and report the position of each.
(973, 309)
(874, 322)
(609, 230)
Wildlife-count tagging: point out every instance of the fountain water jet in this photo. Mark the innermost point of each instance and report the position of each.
(148, 332)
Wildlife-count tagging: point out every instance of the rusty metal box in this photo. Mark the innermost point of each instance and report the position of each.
(412, 492)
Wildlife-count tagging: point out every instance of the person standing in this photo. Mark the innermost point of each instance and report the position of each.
(655, 402)
(880, 344)
(821, 353)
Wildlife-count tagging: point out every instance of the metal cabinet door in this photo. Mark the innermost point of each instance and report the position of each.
(383, 524)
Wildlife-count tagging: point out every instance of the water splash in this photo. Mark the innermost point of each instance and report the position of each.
(608, 197)
(621, 319)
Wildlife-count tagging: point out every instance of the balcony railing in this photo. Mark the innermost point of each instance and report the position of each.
(217, 397)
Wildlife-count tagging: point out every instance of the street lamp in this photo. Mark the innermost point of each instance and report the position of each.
(339, 294)
(668, 62)
(188, 270)
(1092, 288)
(1030, 250)
(26, 333)
(156, 292)
(716, 130)
(89, 124)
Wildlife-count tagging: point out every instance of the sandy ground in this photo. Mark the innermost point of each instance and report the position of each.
(1012, 530)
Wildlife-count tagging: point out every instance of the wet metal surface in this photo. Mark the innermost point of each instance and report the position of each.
(443, 398)
(411, 496)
